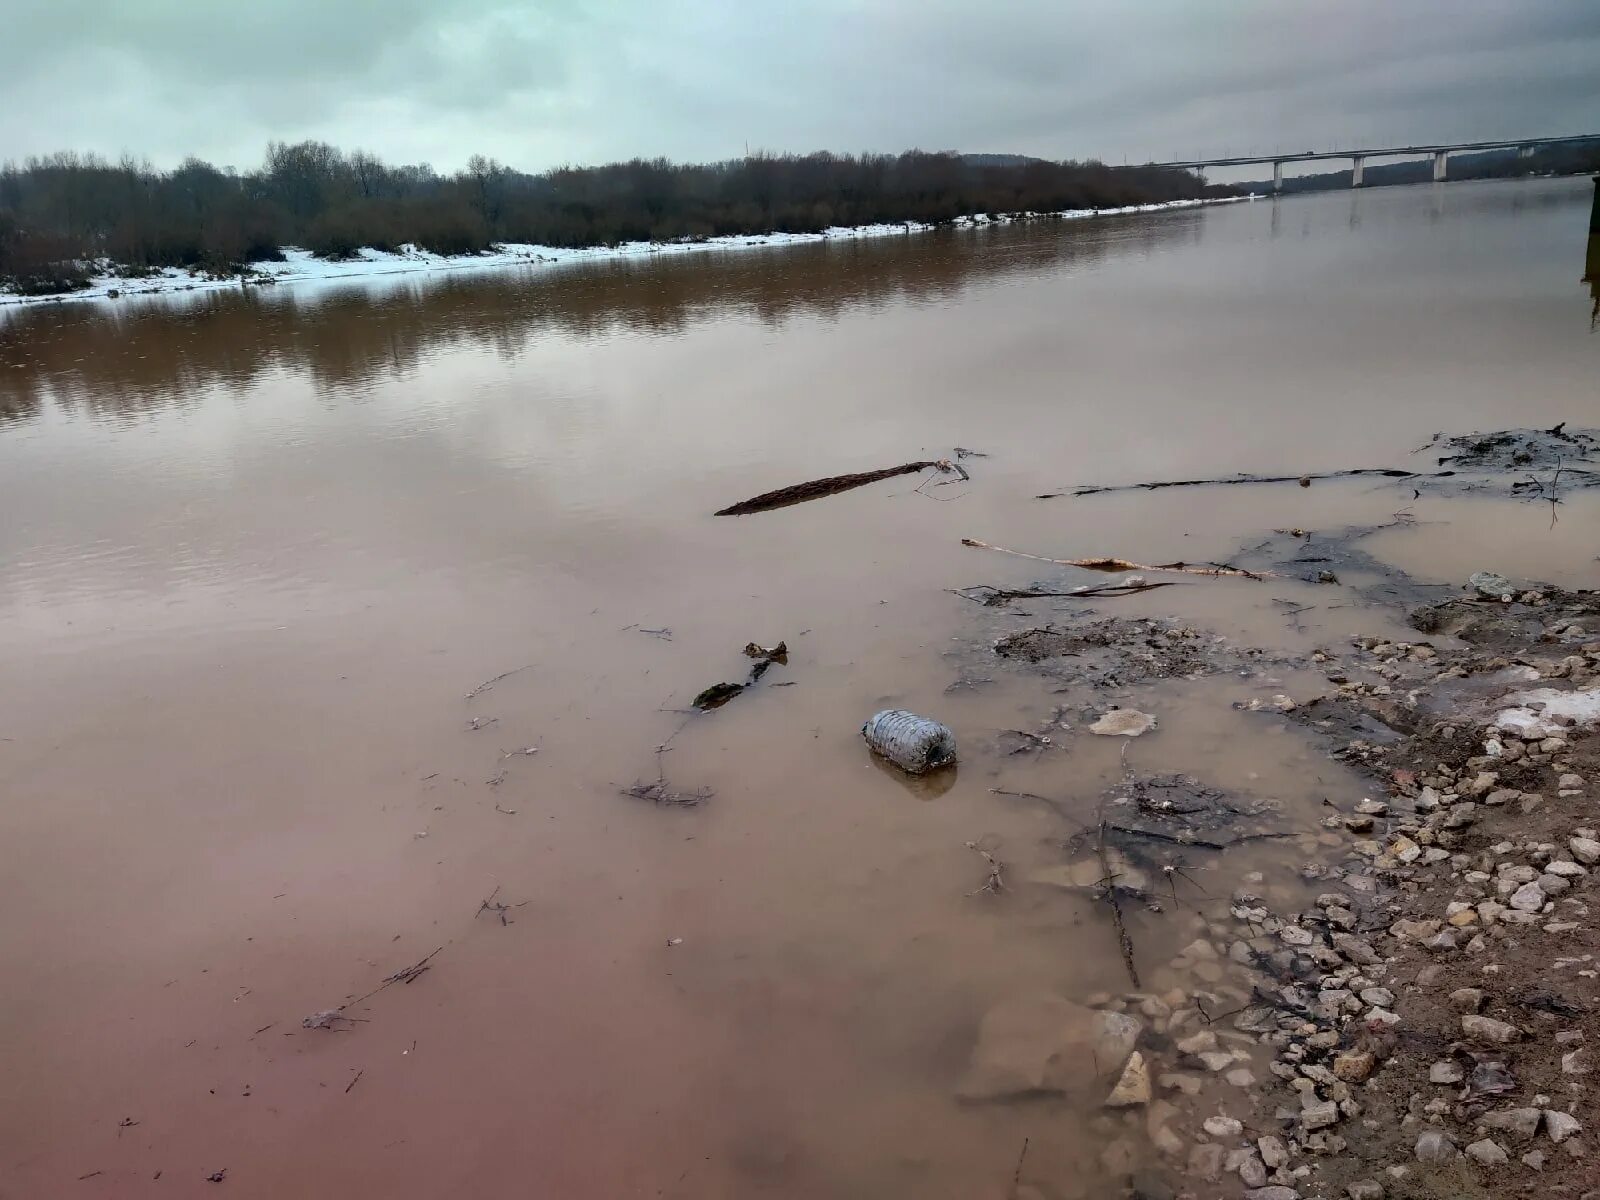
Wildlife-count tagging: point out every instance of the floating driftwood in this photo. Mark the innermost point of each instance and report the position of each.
(1122, 564)
(816, 489)
(1302, 480)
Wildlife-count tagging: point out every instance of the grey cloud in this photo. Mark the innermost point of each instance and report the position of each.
(539, 82)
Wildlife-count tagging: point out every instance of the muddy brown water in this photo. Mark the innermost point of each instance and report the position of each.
(258, 548)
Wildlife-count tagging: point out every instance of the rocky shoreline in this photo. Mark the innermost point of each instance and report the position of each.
(1426, 1026)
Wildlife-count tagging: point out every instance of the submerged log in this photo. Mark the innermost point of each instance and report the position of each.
(815, 489)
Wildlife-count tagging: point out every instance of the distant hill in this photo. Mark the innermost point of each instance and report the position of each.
(1483, 164)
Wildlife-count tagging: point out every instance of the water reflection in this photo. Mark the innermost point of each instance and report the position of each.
(127, 357)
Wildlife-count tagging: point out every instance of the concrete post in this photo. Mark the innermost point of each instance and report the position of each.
(1358, 170)
(1277, 176)
(1438, 167)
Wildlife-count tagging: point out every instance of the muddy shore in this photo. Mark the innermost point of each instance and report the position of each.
(1418, 1019)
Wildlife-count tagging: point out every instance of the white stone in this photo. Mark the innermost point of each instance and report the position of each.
(1134, 1086)
(1041, 1042)
(1559, 1126)
(1222, 1127)
(1123, 722)
(1487, 1152)
(1445, 1073)
(1585, 850)
(1433, 1145)
(1528, 898)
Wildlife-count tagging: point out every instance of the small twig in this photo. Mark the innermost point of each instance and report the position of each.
(994, 596)
(1056, 806)
(404, 975)
(1303, 480)
(510, 812)
(1108, 886)
(489, 683)
(354, 1081)
(478, 723)
(995, 882)
(1121, 564)
(500, 908)
(1016, 1176)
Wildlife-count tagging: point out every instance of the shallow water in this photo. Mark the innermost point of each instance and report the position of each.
(260, 547)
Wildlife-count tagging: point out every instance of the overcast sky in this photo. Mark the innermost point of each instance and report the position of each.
(537, 83)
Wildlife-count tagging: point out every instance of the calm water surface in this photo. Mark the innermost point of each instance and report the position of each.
(258, 548)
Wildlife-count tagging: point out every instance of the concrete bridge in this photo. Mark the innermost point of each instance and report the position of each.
(1440, 152)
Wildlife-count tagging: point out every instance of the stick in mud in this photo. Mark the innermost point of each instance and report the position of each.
(816, 489)
(1122, 564)
(1302, 480)
(1109, 888)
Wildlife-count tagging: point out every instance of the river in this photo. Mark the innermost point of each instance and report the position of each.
(260, 546)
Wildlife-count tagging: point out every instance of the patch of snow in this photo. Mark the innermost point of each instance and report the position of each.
(301, 266)
(1545, 712)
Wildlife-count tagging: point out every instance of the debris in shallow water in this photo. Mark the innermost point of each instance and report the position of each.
(664, 633)
(992, 596)
(1491, 586)
(996, 881)
(915, 744)
(832, 485)
(328, 1018)
(660, 792)
(1302, 480)
(1108, 886)
(1122, 564)
(716, 696)
(498, 907)
(489, 683)
(719, 694)
(1123, 722)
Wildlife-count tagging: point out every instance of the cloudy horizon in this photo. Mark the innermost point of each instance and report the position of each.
(538, 84)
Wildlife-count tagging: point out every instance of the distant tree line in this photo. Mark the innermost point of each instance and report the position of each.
(61, 213)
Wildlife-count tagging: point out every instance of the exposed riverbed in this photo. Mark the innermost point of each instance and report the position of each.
(261, 549)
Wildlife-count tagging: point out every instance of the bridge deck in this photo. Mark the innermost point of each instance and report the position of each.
(1380, 152)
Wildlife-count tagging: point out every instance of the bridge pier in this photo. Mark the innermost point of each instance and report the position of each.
(1438, 166)
(1277, 176)
(1358, 169)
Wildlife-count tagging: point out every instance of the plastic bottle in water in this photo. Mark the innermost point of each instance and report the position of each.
(912, 743)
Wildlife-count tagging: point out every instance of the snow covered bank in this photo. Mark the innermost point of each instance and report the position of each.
(302, 266)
